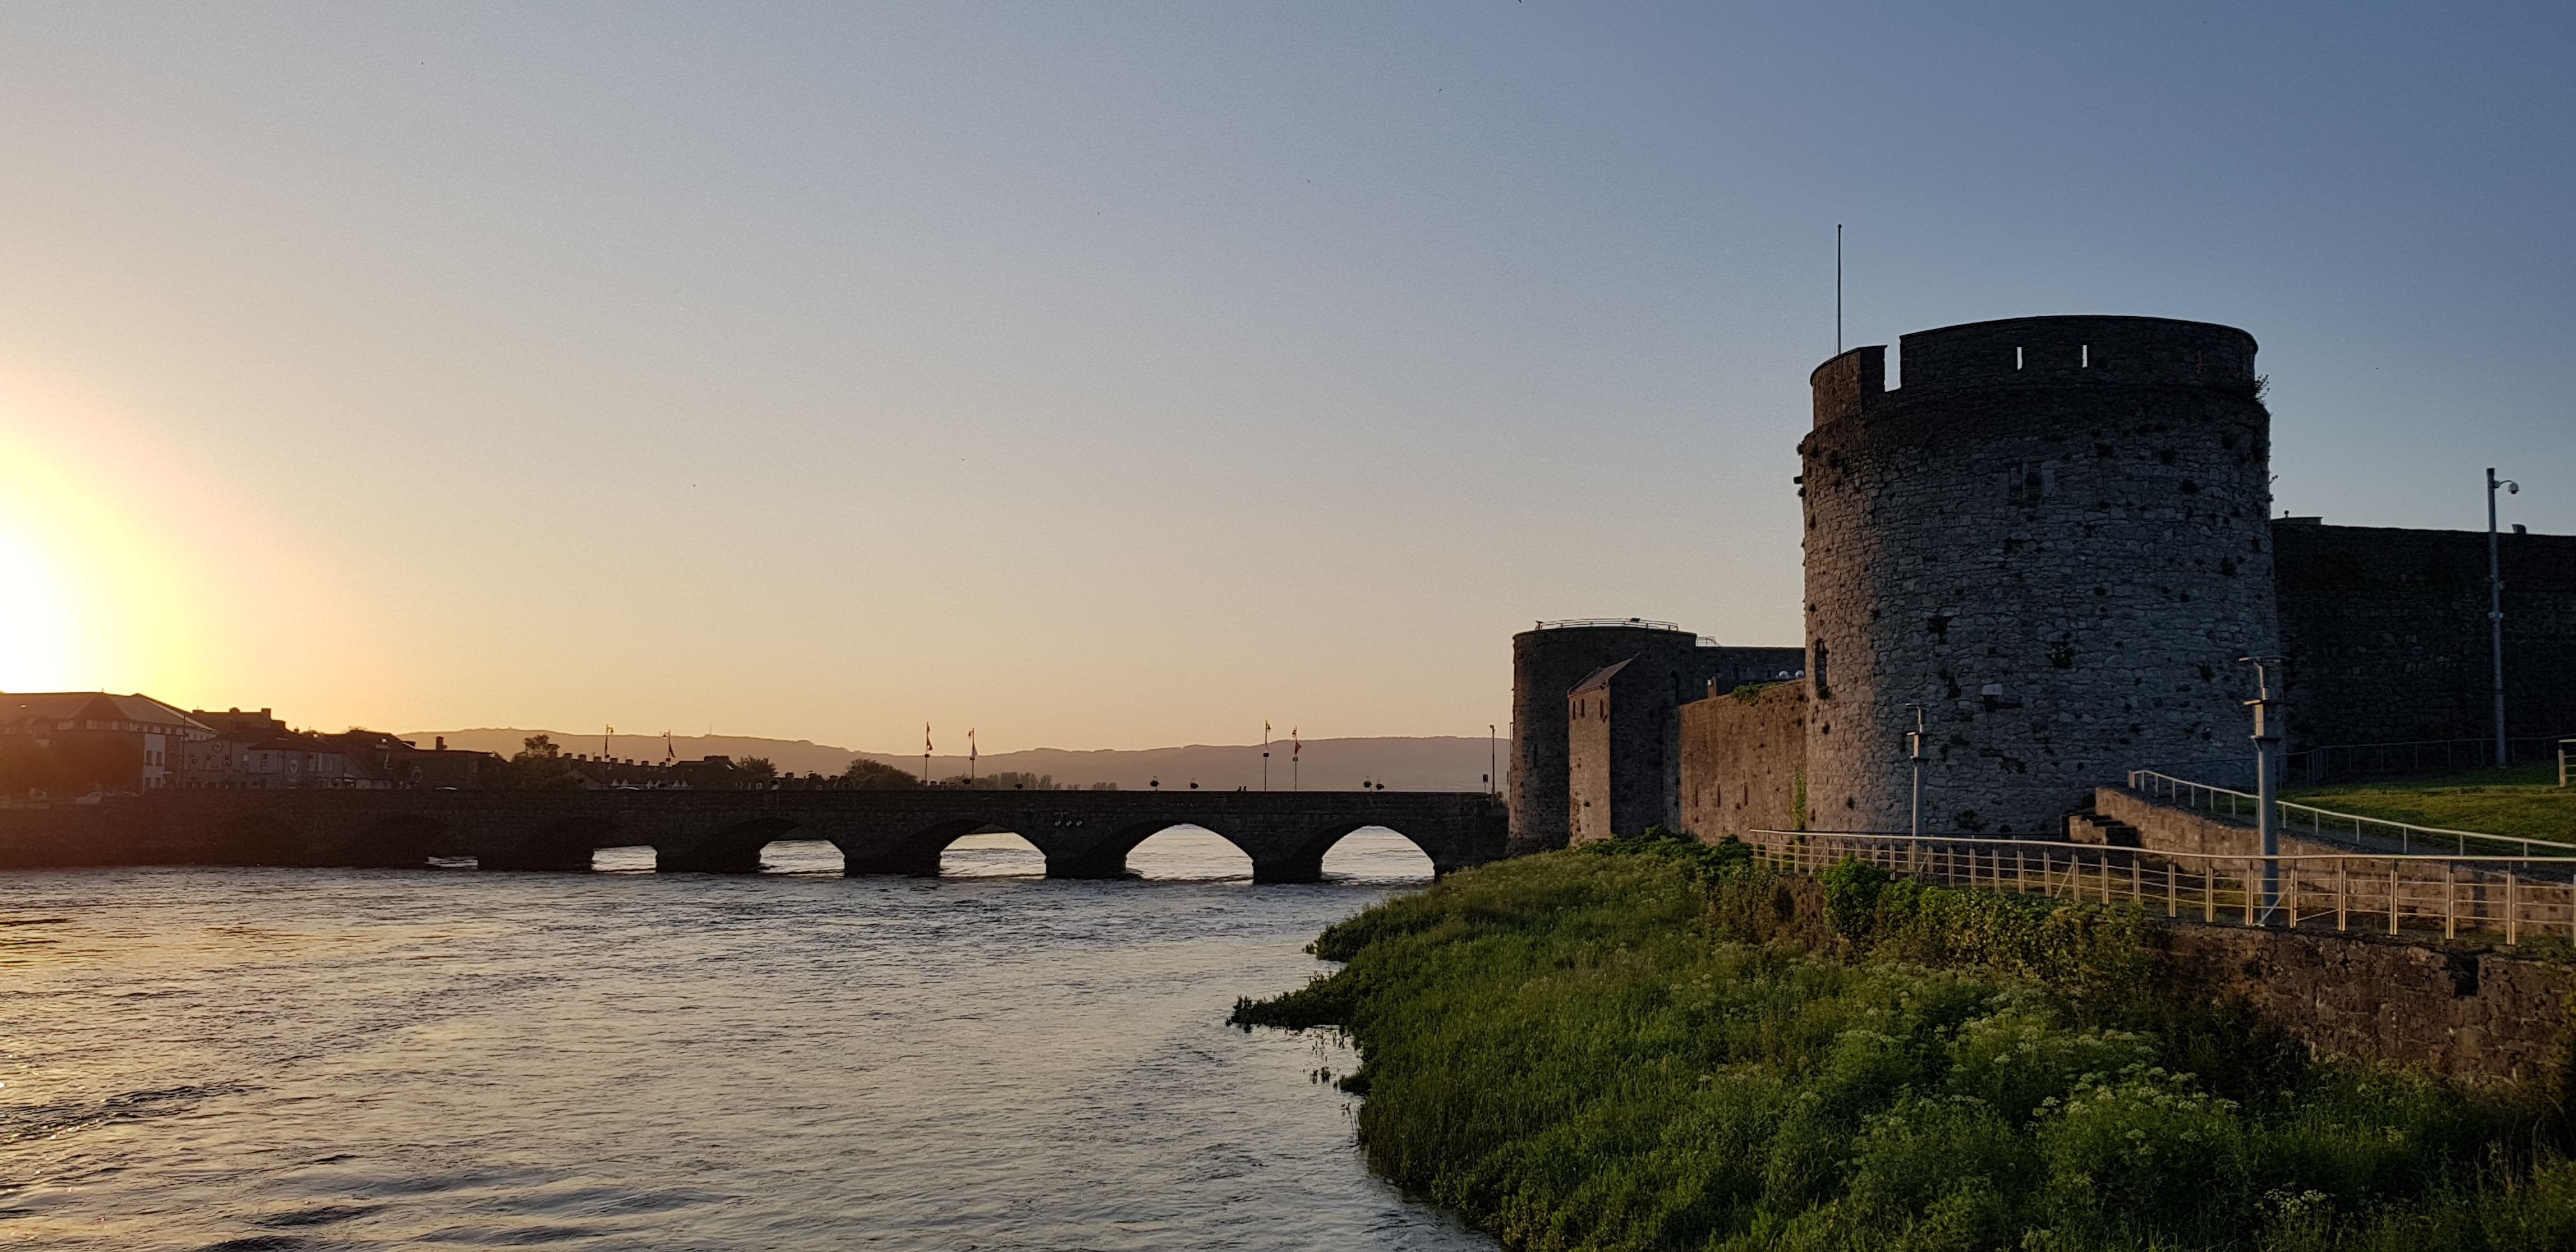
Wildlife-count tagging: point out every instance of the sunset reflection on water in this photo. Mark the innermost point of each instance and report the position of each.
(356, 1059)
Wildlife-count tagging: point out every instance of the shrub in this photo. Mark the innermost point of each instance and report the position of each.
(1597, 1049)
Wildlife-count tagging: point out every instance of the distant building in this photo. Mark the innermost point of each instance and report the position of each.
(79, 741)
(258, 751)
(390, 762)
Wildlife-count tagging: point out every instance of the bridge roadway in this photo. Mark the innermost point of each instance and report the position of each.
(1083, 834)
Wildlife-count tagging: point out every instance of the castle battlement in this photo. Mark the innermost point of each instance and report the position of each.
(2062, 351)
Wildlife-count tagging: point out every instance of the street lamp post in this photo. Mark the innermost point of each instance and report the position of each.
(1914, 757)
(2495, 603)
(2267, 743)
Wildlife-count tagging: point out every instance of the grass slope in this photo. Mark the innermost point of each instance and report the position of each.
(2524, 801)
(1583, 1050)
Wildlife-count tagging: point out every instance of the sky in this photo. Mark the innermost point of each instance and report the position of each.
(1117, 375)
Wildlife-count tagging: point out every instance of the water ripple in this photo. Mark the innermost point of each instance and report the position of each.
(358, 1060)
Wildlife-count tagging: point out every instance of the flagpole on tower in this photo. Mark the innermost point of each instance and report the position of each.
(970, 756)
(1295, 747)
(925, 754)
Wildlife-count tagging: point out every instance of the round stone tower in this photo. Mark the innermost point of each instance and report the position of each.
(2053, 538)
(1546, 663)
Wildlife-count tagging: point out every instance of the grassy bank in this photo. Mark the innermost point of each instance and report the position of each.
(2524, 801)
(1593, 1049)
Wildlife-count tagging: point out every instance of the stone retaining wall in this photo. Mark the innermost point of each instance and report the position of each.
(2462, 1011)
(2171, 828)
(2459, 1010)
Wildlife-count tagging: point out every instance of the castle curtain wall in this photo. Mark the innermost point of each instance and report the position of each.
(1744, 761)
(2388, 639)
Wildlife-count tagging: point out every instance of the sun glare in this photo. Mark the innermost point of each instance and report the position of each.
(39, 640)
(91, 592)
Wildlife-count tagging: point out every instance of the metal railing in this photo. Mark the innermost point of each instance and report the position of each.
(1632, 623)
(2516, 899)
(2309, 767)
(2297, 818)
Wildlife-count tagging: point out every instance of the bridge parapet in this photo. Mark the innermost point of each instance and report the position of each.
(1082, 834)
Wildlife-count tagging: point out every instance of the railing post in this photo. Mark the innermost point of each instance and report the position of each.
(2137, 890)
(2173, 901)
(2512, 910)
(2208, 890)
(2392, 899)
(2450, 900)
(2252, 871)
(2343, 894)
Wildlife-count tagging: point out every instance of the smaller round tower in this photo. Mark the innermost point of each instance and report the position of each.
(1547, 661)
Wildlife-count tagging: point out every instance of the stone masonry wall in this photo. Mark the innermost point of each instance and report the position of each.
(1743, 761)
(1546, 663)
(2387, 633)
(1623, 753)
(2053, 538)
(1666, 667)
(1591, 756)
(2169, 828)
(2460, 1010)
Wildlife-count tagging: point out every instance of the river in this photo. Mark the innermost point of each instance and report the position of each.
(345, 1059)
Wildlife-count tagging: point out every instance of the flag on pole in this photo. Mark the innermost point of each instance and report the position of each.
(1294, 747)
(925, 738)
(970, 745)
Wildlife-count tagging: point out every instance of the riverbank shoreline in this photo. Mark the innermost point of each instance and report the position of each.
(1643, 1044)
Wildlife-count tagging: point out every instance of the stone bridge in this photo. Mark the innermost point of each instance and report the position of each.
(1083, 834)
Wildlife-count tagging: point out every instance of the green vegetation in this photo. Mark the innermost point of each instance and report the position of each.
(1647, 1043)
(866, 775)
(2522, 801)
(538, 765)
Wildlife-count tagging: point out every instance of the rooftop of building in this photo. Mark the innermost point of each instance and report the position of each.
(94, 706)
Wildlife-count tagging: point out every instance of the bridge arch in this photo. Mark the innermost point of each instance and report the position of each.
(730, 849)
(801, 852)
(990, 851)
(1306, 862)
(1197, 850)
(917, 850)
(1101, 852)
(1378, 852)
(565, 843)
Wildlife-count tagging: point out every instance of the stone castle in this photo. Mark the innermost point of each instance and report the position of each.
(2052, 543)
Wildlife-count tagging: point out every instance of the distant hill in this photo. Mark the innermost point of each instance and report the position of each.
(1421, 763)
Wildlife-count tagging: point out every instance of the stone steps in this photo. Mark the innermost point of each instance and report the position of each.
(2097, 829)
